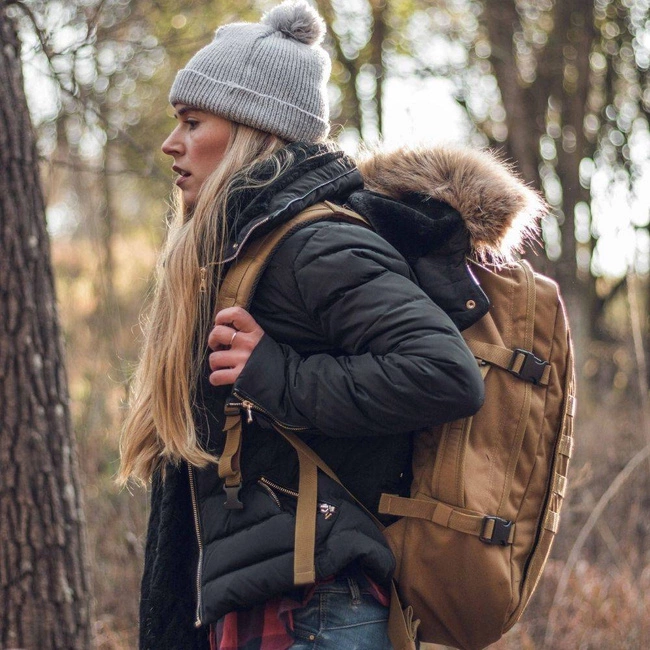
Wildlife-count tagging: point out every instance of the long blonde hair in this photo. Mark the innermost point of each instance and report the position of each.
(160, 425)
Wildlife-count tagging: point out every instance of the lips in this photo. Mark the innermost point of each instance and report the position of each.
(182, 175)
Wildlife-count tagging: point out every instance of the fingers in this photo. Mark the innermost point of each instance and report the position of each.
(233, 339)
(238, 318)
(226, 365)
(221, 336)
(225, 377)
(228, 359)
(235, 320)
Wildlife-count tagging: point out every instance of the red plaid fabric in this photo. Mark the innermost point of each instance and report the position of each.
(269, 626)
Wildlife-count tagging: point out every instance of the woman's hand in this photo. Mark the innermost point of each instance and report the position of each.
(233, 339)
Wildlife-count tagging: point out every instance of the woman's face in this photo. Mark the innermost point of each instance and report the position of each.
(197, 145)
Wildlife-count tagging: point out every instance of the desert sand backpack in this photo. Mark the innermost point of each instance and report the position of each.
(472, 541)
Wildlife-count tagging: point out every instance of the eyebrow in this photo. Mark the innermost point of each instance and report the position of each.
(185, 109)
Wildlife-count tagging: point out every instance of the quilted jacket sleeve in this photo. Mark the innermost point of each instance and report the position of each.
(397, 362)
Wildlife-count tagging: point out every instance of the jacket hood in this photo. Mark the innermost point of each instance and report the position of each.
(499, 211)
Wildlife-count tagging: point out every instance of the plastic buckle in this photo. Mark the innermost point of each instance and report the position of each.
(532, 368)
(500, 532)
(232, 408)
(232, 501)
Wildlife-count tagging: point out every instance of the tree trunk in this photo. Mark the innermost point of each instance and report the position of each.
(377, 39)
(522, 112)
(577, 21)
(44, 586)
(350, 117)
(525, 106)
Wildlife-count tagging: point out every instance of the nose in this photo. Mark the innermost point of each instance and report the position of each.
(172, 145)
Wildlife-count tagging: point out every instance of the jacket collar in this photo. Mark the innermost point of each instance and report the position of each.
(316, 172)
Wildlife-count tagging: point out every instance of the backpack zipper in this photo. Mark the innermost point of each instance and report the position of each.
(197, 528)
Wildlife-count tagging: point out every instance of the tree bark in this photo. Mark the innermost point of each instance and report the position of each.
(44, 585)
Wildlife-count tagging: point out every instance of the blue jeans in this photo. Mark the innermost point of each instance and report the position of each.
(341, 615)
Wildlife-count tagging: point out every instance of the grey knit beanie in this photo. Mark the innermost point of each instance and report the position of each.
(270, 75)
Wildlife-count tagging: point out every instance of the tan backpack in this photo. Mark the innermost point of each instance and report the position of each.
(472, 541)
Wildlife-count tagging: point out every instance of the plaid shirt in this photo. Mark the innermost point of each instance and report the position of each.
(269, 626)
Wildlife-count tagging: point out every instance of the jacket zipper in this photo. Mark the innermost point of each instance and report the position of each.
(326, 509)
(240, 245)
(248, 234)
(197, 528)
(250, 406)
(270, 486)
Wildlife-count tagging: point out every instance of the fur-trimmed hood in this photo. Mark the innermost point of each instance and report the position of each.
(499, 211)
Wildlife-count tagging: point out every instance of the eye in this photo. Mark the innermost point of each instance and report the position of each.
(192, 123)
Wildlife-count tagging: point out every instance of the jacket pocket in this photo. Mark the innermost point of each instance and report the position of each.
(287, 499)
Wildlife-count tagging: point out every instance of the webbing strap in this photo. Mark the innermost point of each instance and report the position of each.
(552, 521)
(571, 405)
(449, 469)
(559, 485)
(229, 459)
(305, 536)
(565, 446)
(238, 286)
(524, 412)
(304, 571)
(441, 514)
(402, 629)
(505, 358)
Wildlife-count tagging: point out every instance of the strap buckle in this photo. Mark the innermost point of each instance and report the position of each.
(496, 531)
(232, 501)
(532, 368)
(232, 407)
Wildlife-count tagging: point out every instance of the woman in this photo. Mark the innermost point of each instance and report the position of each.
(340, 345)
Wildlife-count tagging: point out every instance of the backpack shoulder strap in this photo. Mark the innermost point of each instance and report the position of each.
(239, 284)
(237, 289)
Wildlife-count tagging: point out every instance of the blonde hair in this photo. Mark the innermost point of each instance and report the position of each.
(160, 425)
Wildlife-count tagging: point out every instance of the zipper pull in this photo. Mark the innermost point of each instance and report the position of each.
(203, 287)
(248, 407)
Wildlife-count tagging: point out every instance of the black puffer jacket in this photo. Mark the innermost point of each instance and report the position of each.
(355, 356)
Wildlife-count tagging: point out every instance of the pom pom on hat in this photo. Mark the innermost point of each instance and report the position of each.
(298, 20)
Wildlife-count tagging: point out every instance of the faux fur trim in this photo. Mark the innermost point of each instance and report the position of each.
(500, 212)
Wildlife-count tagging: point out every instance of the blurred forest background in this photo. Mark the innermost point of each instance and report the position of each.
(560, 87)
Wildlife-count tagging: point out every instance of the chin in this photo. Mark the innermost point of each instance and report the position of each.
(188, 200)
